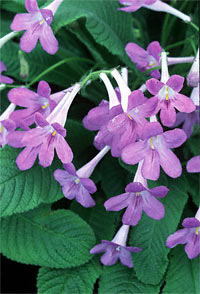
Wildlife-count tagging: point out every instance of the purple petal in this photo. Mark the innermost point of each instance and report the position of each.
(5, 80)
(152, 207)
(170, 163)
(159, 191)
(89, 185)
(151, 165)
(134, 187)
(193, 165)
(69, 167)
(168, 114)
(63, 150)
(175, 82)
(125, 257)
(22, 97)
(27, 157)
(48, 40)
(179, 237)
(136, 53)
(46, 153)
(34, 137)
(174, 138)
(148, 108)
(96, 117)
(183, 103)
(22, 21)
(98, 248)
(110, 257)
(117, 123)
(190, 222)
(9, 124)
(154, 48)
(133, 153)
(118, 202)
(29, 40)
(63, 177)
(70, 189)
(133, 212)
(135, 99)
(40, 120)
(15, 139)
(131, 8)
(43, 89)
(155, 74)
(84, 198)
(154, 86)
(193, 246)
(152, 129)
(133, 249)
(59, 129)
(31, 5)
(2, 67)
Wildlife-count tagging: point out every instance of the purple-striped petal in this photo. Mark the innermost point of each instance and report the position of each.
(89, 185)
(135, 99)
(151, 165)
(46, 153)
(48, 40)
(84, 198)
(168, 114)
(27, 157)
(118, 202)
(183, 103)
(154, 86)
(193, 246)
(175, 82)
(29, 39)
(110, 257)
(133, 212)
(125, 257)
(63, 150)
(22, 21)
(170, 163)
(152, 129)
(152, 207)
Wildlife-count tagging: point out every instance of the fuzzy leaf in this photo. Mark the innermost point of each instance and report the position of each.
(57, 239)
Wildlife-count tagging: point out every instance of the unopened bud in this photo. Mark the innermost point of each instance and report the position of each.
(24, 67)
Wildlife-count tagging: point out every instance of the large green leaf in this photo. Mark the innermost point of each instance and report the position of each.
(72, 281)
(151, 235)
(182, 274)
(57, 239)
(119, 279)
(24, 190)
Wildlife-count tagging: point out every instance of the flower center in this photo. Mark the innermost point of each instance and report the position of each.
(53, 134)
(1, 129)
(77, 181)
(151, 64)
(129, 116)
(137, 193)
(151, 143)
(197, 231)
(166, 94)
(42, 21)
(45, 105)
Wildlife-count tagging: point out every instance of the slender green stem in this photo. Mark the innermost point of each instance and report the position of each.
(179, 43)
(93, 76)
(57, 65)
(194, 26)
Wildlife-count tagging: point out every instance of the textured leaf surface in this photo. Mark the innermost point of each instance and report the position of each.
(119, 279)
(24, 190)
(58, 239)
(183, 273)
(72, 281)
(150, 235)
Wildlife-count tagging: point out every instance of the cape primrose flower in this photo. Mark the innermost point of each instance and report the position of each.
(154, 149)
(189, 235)
(34, 102)
(37, 25)
(4, 79)
(116, 249)
(76, 184)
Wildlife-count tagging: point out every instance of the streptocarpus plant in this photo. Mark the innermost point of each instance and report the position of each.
(109, 86)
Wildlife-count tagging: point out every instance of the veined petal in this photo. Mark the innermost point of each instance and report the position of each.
(31, 5)
(168, 114)
(175, 82)
(169, 162)
(118, 202)
(110, 257)
(135, 52)
(48, 40)
(135, 99)
(151, 130)
(190, 222)
(154, 86)
(29, 40)
(22, 21)
(183, 103)
(89, 185)
(152, 207)
(151, 165)
(15, 139)
(63, 150)
(22, 97)
(133, 153)
(84, 198)
(154, 48)
(133, 212)
(43, 89)
(46, 152)
(159, 191)
(27, 157)
(125, 257)
(193, 246)
(34, 137)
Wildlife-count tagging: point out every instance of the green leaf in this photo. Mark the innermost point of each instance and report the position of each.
(58, 239)
(23, 190)
(182, 274)
(72, 281)
(119, 279)
(108, 26)
(150, 235)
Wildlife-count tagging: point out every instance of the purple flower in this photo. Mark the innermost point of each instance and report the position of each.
(190, 235)
(74, 186)
(6, 125)
(133, 5)
(41, 141)
(154, 149)
(193, 165)
(188, 120)
(34, 102)
(138, 198)
(169, 98)
(4, 79)
(193, 76)
(116, 249)
(37, 25)
(145, 59)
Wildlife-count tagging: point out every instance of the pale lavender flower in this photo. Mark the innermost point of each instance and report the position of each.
(193, 165)
(156, 5)
(37, 25)
(4, 79)
(116, 249)
(193, 76)
(154, 149)
(6, 125)
(138, 198)
(167, 91)
(189, 235)
(34, 102)
(77, 184)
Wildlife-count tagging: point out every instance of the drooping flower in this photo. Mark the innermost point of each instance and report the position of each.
(138, 198)
(189, 235)
(4, 79)
(116, 249)
(77, 184)
(34, 102)
(193, 165)
(154, 149)
(6, 125)
(193, 76)
(167, 91)
(37, 25)
(156, 5)
(47, 136)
